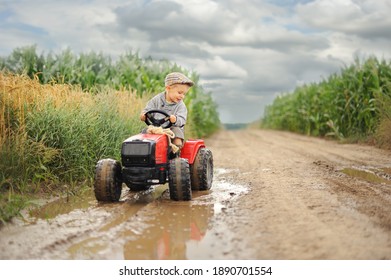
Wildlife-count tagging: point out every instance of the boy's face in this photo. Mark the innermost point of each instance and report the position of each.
(176, 93)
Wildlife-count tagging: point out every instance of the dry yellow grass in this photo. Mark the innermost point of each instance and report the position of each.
(19, 95)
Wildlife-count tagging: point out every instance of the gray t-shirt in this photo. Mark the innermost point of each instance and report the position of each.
(158, 102)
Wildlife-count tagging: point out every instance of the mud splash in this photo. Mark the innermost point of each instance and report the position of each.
(147, 225)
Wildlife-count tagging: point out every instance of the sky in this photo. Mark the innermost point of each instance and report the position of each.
(246, 52)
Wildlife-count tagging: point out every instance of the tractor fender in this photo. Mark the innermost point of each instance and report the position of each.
(190, 149)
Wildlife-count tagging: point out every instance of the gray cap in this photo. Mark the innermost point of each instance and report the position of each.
(177, 78)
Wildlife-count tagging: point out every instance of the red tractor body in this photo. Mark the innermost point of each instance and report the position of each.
(191, 148)
(146, 157)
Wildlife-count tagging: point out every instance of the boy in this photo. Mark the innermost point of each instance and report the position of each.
(171, 101)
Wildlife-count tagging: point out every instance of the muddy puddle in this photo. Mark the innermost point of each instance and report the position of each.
(143, 225)
(371, 175)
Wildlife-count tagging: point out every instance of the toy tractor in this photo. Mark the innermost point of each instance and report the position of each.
(147, 159)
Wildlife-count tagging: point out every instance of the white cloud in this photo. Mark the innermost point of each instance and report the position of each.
(369, 19)
(217, 67)
(246, 52)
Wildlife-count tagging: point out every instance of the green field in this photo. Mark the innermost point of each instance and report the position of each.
(353, 105)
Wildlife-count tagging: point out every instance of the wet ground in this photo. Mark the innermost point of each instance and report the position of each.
(143, 225)
(275, 195)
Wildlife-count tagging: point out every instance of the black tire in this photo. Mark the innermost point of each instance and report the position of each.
(108, 183)
(201, 171)
(179, 182)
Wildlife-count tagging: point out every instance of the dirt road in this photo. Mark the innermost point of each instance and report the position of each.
(276, 195)
(302, 203)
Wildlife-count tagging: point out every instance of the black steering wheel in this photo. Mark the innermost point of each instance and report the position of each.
(151, 119)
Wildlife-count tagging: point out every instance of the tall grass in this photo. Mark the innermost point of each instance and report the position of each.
(59, 129)
(56, 133)
(354, 104)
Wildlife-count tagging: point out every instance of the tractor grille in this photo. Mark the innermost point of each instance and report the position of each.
(135, 149)
(138, 153)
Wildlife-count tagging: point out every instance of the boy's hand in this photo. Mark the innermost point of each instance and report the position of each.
(142, 117)
(173, 119)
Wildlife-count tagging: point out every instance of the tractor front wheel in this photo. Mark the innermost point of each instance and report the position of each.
(108, 182)
(179, 182)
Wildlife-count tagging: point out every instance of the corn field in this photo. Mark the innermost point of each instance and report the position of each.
(353, 105)
(57, 119)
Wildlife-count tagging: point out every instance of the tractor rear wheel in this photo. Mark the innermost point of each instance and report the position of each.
(179, 182)
(108, 183)
(202, 170)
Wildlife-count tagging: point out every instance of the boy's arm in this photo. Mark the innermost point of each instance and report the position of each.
(151, 105)
(181, 116)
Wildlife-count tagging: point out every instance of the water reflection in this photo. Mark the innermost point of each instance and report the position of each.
(180, 230)
(168, 234)
(62, 206)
